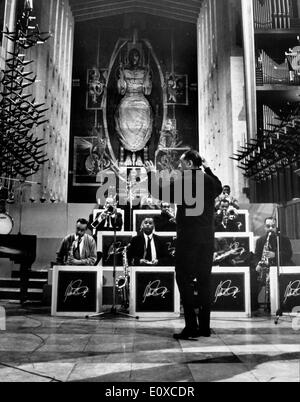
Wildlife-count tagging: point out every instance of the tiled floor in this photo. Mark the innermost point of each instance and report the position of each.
(37, 347)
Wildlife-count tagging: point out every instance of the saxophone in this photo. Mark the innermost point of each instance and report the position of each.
(263, 269)
(264, 264)
(122, 282)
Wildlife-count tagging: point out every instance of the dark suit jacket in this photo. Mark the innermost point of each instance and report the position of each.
(285, 249)
(137, 246)
(194, 233)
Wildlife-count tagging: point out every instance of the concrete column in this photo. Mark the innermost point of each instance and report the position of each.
(250, 71)
(200, 121)
(10, 22)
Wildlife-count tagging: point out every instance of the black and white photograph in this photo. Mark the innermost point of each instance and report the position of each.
(149, 194)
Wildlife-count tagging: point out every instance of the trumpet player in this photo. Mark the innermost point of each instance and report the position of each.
(226, 218)
(109, 219)
(166, 222)
(78, 248)
(226, 195)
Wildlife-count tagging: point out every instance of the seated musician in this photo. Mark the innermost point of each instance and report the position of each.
(109, 219)
(79, 248)
(226, 219)
(225, 195)
(147, 248)
(266, 256)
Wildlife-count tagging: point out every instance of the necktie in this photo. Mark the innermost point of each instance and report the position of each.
(77, 250)
(108, 222)
(148, 256)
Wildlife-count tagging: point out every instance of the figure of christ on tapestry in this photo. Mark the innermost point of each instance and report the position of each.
(134, 118)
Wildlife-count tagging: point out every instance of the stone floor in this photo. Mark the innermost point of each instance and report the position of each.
(38, 347)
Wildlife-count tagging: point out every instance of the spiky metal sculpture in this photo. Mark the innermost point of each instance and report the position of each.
(274, 149)
(21, 152)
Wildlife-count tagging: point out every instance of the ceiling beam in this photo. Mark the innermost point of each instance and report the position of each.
(109, 3)
(189, 3)
(87, 11)
(143, 10)
(130, 3)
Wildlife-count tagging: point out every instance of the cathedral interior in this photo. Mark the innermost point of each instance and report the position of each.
(90, 89)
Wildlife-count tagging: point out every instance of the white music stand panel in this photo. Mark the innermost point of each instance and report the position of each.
(155, 288)
(229, 289)
(76, 287)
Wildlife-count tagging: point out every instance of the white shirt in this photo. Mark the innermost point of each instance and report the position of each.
(153, 249)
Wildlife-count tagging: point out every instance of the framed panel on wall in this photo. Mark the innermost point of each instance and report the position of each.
(177, 89)
(284, 289)
(230, 289)
(76, 291)
(154, 292)
(88, 163)
(233, 249)
(96, 82)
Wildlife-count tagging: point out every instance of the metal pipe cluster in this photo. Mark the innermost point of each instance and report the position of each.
(274, 149)
(21, 151)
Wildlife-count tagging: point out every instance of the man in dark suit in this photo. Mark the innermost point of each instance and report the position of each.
(109, 219)
(195, 242)
(166, 221)
(285, 247)
(285, 255)
(147, 248)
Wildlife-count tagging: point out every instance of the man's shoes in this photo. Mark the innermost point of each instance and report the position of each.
(204, 334)
(186, 335)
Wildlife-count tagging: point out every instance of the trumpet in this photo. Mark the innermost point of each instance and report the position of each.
(108, 211)
(170, 212)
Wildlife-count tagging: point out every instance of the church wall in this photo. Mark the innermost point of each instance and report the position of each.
(53, 64)
(221, 89)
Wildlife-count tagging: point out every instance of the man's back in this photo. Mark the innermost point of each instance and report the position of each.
(200, 228)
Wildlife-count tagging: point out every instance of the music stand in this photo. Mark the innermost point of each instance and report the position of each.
(113, 312)
(279, 312)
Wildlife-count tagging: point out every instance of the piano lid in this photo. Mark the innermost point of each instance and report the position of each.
(19, 248)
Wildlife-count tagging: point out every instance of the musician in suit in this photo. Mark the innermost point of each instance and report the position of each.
(166, 222)
(285, 247)
(147, 248)
(195, 241)
(266, 248)
(79, 248)
(226, 196)
(109, 219)
(226, 218)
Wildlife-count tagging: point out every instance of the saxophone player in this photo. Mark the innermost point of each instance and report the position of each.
(285, 247)
(78, 248)
(266, 256)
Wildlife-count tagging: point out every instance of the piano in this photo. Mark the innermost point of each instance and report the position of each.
(21, 249)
